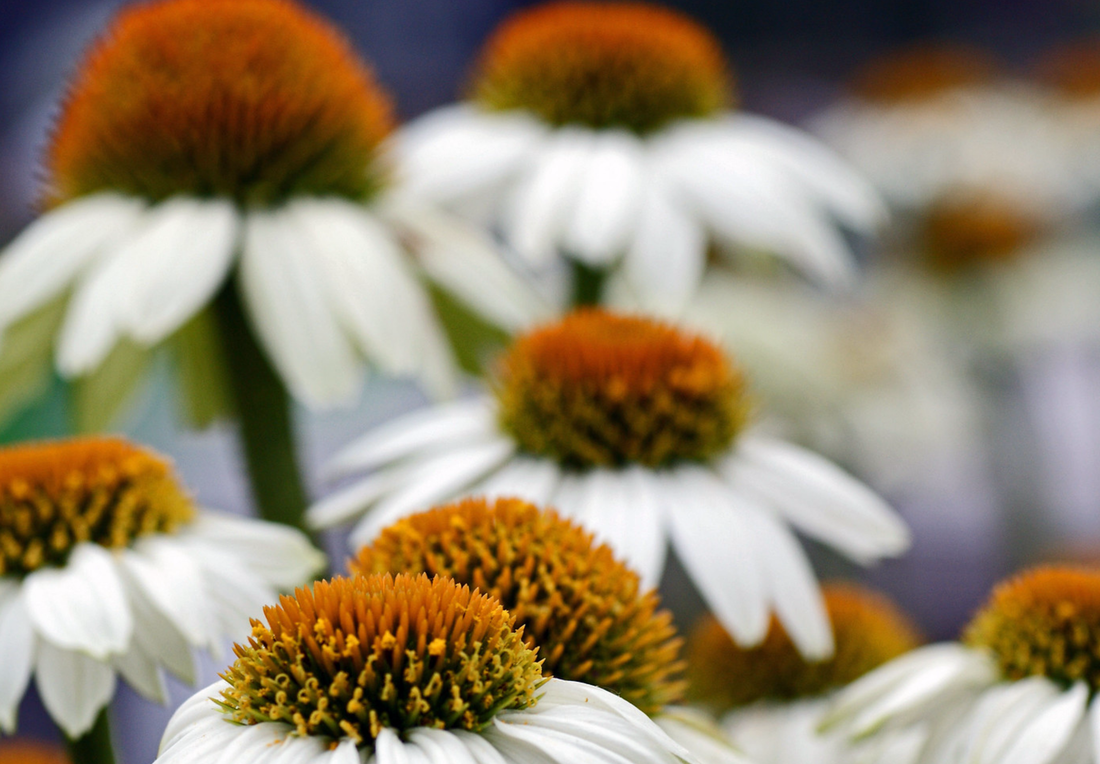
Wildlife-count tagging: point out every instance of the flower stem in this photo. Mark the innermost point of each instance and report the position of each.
(263, 409)
(94, 747)
(588, 284)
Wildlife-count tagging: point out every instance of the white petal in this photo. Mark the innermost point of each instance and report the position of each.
(545, 198)
(82, 606)
(158, 637)
(17, 646)
(458, 150)
(480, 748)
(181, 257)
(469, 264)
(141, 672)
(162, 572)
(421, 430)
(1047, 734)
(623, 509)
(73, 687)
(441, 746)
(700, 736)
(93, 318)
(748, 201)
(389, 749)
(847, 194)
(43, 260)
(607, 199)
(291, 311)
(793, 586)
(1000, 714)
(526, 477)
(818, 497)
(926, 687)
(282, 557)
(869, 689)
(372, 290)
(713, 540)
(666, 260)
(433, 481)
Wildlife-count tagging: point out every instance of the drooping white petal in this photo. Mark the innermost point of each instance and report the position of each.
(607, 199)
(196, 714)
(81, 606)
(282, 557)
(180, 257)
(714, 542)
(668, 255)
(157, 636)
(818, 497)
(373, 292)
(546, 196)
(622, 508)
(1045, 736)
(73, 687)
(838, 186)
(747, 201)
(234, 592)
(433, 481)
(459, 150)
(140, 670)
(793, 587)
(43, 260)
(469, 264)
(291, 311)
(480, 748)
(413, 433)
(697, 733)
(17, 646)
(93, 318)
(170, 579)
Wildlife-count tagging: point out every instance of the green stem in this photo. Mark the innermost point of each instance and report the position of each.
(588, 284)
(263, 409)
(94, 747)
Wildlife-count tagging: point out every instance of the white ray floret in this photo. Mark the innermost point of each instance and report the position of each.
(731, 521)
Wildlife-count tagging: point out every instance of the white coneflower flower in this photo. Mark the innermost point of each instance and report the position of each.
(771, 699)
(214, 180)
(603, 131)
(403, 669)
(637, 431)
(108, 569)
(1019, 689)
(584, 610)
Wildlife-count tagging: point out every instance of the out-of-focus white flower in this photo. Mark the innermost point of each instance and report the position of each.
(639, 432)
(215, 152)
(107, 569)
(771, 700)
(1019, 690)
(389, 670)
(601, 132)
(864, 380)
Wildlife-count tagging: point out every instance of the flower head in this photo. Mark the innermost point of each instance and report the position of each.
(962, 230)
(602, 389)
(56, 495)
(620, 64)
(1044, 622)
(253, 100)
(868, 631)
(353, 656)
(583, 609)
(922, 72)
(108, 569)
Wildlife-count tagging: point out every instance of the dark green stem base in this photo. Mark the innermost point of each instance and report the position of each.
(588, 284)
(263, 409)
(95, 746)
